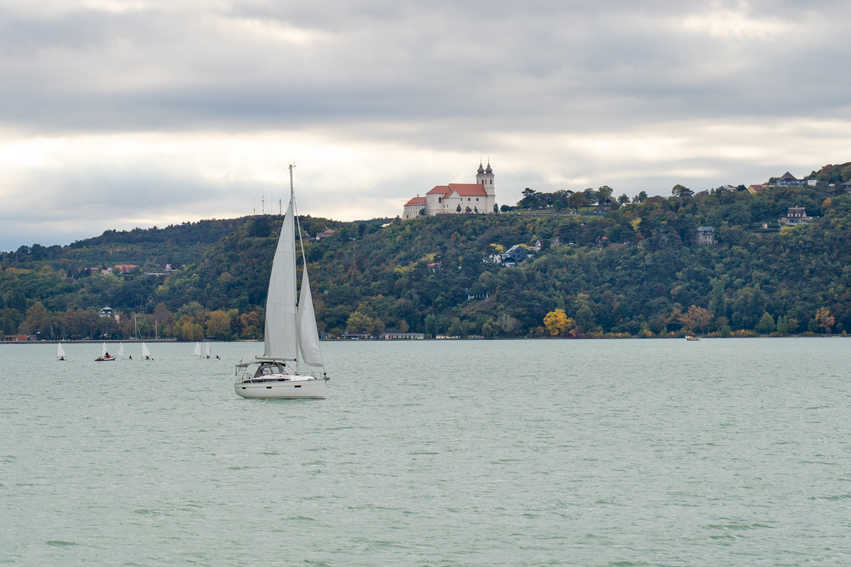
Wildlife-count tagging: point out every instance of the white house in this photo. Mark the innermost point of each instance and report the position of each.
(456, 198)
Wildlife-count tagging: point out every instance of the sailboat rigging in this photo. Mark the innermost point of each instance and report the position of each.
(291, 352)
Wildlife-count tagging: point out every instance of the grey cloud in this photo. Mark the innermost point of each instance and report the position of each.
(467, 78)
(543, 66)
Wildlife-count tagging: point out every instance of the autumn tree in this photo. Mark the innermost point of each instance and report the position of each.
(824, 319)
(695, 319)
(37, 320)
(556, 322)
(218, 324)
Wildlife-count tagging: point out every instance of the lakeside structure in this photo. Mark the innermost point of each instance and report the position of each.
(456, 198)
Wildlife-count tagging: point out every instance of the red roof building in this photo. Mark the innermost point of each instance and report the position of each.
(456, 198)
(468, 189)
(416, 202)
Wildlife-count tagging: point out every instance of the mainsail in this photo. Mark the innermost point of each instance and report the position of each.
(280, 334)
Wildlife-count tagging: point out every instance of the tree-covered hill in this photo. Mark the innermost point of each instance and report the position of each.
(633, 268)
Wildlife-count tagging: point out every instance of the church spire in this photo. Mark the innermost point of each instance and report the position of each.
(481, 169)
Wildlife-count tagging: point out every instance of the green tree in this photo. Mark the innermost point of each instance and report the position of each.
(766, 324)
(681, 192)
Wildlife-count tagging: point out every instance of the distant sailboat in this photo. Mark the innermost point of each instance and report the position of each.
(291, 338)
(146, 354)
(207, 350)
(197, 350)
(121, 350)
(104, 354)
(60, 352)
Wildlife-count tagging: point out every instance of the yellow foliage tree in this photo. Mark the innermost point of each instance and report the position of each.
(556, 322)
(824, 319)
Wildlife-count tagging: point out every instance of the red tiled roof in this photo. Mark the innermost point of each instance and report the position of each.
(416, 201)
(468, 189)
(442, 189)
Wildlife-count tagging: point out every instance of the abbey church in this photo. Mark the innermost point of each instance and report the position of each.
(456, 198)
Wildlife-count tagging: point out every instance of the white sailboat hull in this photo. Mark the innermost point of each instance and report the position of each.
(283, 388)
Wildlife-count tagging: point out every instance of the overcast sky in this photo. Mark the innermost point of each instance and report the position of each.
(117, 114)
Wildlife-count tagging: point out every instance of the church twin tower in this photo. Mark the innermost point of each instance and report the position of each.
(456, 198)
(484, 176)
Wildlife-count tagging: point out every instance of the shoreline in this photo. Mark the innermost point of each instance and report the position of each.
(459, 339)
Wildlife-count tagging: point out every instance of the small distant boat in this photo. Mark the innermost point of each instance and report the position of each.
(691, 338)
(146, 354)
(197, 351)
(120, 350)
(104, 355)
(291, 340)
(60, 352)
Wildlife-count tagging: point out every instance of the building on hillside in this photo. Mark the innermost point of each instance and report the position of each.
(124, 268)
(456, 198)
(414, 207)
(795, 215)
(403, 336)
(786, 180)
(706, 235)
(327, 233)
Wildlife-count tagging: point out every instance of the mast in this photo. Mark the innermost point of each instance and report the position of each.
(281, 338)
(292, 193)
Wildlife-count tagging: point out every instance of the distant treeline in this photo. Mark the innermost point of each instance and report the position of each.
(630, 268)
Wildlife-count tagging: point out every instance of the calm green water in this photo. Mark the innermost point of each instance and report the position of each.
(641, 452)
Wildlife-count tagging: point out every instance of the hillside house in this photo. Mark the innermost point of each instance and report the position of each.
(795, 215)
(706, 236)
(786, 180)
(124, 268)
(327, 233)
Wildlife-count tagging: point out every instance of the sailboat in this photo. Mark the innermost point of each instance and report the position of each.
(120, 350)
(146, 354)
(60, 352)
(291, 340)
(197, 351)
(104, 354)
(207, 350)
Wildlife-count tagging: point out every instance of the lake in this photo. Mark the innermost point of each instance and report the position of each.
(592, 452)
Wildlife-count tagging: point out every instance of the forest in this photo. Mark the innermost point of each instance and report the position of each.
(591, 265)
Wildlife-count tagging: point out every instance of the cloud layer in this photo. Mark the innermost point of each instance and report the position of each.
(116, 114)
